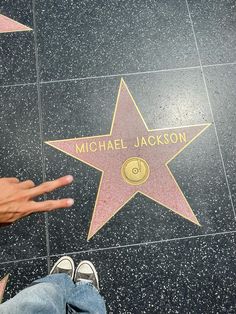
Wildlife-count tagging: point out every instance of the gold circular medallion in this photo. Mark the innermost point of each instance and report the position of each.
(135, 171)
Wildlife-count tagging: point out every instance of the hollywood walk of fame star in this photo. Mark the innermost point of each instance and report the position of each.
(8, 25)
(133, 159)
(3, 284)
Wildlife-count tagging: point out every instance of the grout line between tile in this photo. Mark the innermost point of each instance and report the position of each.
(211, 110)
(40, 126)
(119, 74)
(125, 246)
(24, 260)
(122, 74)
(16, 85)
(136, 73)
(146, 243)
(218, 64)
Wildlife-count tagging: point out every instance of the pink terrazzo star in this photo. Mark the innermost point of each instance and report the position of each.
(3, 283)
(130, 137)
(8, 25)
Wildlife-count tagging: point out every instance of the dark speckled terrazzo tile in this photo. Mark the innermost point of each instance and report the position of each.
(221, 82)
(188, 276)
(20, 157)
(17, 52)
(70, 109)
(215, 27)
(87, 38)
(22, 274)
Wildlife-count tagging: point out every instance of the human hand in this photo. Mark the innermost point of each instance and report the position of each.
(17, 198)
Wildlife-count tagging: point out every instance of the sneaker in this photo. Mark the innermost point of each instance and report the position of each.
(86, 272)
(64, 265)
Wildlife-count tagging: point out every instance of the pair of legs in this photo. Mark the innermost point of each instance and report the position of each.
(65, 290)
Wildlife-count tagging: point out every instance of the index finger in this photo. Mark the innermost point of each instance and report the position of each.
(49, 186)
(10, 179)
(46, 206)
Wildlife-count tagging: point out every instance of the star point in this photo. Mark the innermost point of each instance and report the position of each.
(8, 25)
(3, 284)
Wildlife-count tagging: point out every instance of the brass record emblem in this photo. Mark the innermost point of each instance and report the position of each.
(135, 171)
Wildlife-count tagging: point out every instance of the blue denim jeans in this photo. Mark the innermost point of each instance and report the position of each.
(55, 294)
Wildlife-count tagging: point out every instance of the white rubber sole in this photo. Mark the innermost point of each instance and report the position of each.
(62, 259)
(93, 269)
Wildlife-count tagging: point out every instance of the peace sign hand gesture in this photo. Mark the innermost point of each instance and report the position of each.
(17, 198)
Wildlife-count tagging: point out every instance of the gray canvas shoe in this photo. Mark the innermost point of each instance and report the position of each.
(86, 272)
(64, 265)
